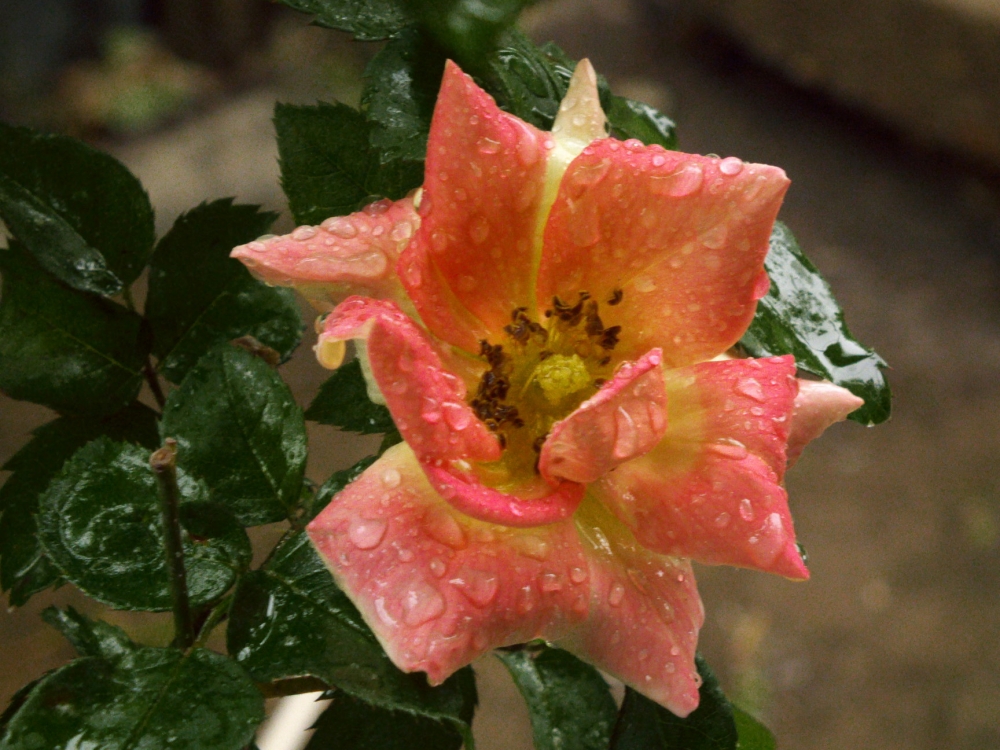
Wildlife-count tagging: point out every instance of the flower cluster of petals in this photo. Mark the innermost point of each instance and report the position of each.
(547, 320)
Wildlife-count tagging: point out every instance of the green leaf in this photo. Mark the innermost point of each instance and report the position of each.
(328, 167)
(149, 698)
(632, 119)
(82, 214)
(753, 734)
(24, 566)
(645, 725)
(402, 83)
(352, 724)
(468, 29)
(89, 637)
(239, 429)
(200, 297)
(343, 402)
(100, 522)
(526, 80)
(337, 482)
(570, 703)
(289, 619)
(70, 351)
(799, 316)
(367, 20)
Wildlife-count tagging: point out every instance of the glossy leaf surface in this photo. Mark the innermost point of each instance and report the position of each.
(200, 297)
(99, 521)
(352, 724)
(81, 213)
(337, 481)
(289, 619)
(343, 402)
(24, 566)
(89, 637)
(367, 20)
(62, 348)
(239, 429)
(149, 698)
(799, 316)
(752, 734)
(644, 725)
(570, 704)
(328, 167)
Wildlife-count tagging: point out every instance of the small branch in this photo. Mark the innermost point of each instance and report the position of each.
(154, 384)
(164, 465)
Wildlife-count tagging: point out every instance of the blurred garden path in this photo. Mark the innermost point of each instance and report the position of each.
(893, 644)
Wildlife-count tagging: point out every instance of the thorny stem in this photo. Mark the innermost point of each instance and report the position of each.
(164, 465)
(154, 383)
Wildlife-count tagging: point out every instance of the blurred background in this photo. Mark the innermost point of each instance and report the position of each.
(885, 114)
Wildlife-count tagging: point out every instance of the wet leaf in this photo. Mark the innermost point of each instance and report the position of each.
(645, 725)
(337, 482)
(800, 316)
(239, 429)
(753, 734)
(328, 167)
(367, 20)
(150, 698)
(200, 297)
(62, 348)
(24, 566)
(343, 402)
(99, 521)
(632, 119)
(89, 637)
(468, 29)
(352, 724)
(289, 619)
(570, 704)
(401, 86)
(79, 212)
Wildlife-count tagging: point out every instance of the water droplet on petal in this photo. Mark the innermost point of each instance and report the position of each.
(644, 284)
(525, 600)
(458, 416)
(751, 388)
(578, 575)
(659, 160)
(479, 587)
(488, 146)
(532, 546)
(479, 230)
(616, 594)
(442, 526)
(550, 582)
(366, 533)
(722, 520)
(391, 478)
(406, 555)
(728, 448)
(438, 568)
(590, 173)
(421, 602)
(626, 435)
(301, 234)
(731, 166)
(746, 509)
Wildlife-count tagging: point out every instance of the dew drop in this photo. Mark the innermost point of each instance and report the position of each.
(587, 174)
(304, 233)
(479, 230)
(438, 567)
(406, 555)
(479, 587)
(577, 575)
(659, 160)
(391, 478)
(366, 533)
(722, 520)
(644, 284)
(532, 546)
(421, 603)
(616, 594)
(626, 435)
(670, 667)
(488, 146)
(728, 448)
(550, 582)
(456, 415)
(731, 166)
(525, 600)
(751, 388)
(443, 527)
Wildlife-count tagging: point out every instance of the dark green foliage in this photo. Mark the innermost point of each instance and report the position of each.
(200, 297)
(343, 402)
(468, 29)
(328, 167)
(570, 703)
(526, 80)
(239, 429)
(89, 637)
(367, 20)
(99, 521)
(352, 724)
(800, 316)
(402, 83)
(753, 734)
(143, 698)
(337, 481)
(24, 567)
(645, 725)
(62, 348)
(632, 119)
(289, 619)
(79, 212)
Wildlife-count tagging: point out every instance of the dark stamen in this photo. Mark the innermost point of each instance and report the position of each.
(616, 297)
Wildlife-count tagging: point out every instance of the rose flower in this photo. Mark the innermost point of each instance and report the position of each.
(547, 320)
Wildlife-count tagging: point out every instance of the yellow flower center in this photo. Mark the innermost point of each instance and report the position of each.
(560, 376)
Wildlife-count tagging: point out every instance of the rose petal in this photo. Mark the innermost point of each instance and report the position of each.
(344, 255)
(711, 489)
(474, 258)
(684, 237)
(645, 614)
(818, 405)
(624, 419)
(438, 588)
(532, 506)
(426, 401)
